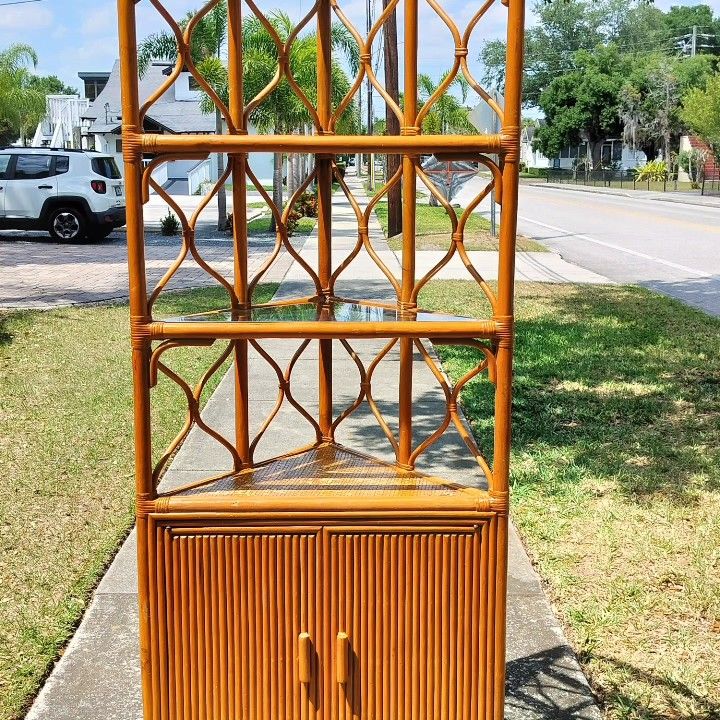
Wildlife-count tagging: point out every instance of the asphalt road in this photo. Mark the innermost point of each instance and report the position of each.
(671, 247)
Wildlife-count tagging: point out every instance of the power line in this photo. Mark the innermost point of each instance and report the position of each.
(19, 2)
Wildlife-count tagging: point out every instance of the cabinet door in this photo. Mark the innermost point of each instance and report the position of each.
(407, 619)
(235, 624)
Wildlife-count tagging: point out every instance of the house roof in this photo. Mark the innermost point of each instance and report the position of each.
(174, 116)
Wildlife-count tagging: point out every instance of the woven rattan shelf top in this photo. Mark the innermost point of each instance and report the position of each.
(328, 475)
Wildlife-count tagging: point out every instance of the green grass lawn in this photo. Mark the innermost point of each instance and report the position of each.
(433, 230)
(66, 468)
(261, 226)
(616, 482)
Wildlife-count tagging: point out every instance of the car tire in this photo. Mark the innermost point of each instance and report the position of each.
(67, 224)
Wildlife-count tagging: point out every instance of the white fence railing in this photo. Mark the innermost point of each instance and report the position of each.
(199, 177)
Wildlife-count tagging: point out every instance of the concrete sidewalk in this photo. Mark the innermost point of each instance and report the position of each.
(98, 675)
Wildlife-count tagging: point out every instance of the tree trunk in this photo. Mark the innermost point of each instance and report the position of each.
(222, 196)
(596, 153)
(277, 187)
(391, 122)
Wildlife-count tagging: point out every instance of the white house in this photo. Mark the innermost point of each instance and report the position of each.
(613, 152)
(177, 111)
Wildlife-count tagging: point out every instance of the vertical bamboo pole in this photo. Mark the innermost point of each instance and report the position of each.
(324, 184)
(405, 405)
(139, 317)
(505, 313)
(240, 238)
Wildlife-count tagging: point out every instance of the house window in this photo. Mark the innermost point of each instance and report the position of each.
(193, 84)
(565, 152)
(617, 152)
(118, 146)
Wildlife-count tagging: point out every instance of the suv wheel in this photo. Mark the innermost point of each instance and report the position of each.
(67, 224)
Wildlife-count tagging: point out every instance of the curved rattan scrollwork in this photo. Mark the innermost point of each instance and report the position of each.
(363, 221)
(188, 244)
(283, 70)
(193, 396)
(284, 393)
(350, 409)
(365, 48)
(282, 237)
(371, 400)
(458, 241)
(183, 38)
(452, 396)
(460, 64)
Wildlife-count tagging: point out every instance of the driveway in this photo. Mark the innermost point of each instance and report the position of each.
(36, 272)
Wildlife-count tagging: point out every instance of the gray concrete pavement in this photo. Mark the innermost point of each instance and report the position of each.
(38, 273)
(98, 675)
(670, 247)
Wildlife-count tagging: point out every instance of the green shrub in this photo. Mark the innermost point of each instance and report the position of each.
(654, 171)
(307, 205)
(169, 225)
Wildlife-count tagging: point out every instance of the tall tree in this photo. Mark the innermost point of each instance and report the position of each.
(282, 112)
(582, 105)
(208, 39)
(650, 99)
(448, 114)
(392, 124)
(22, 101)
(701, 111)
(565, 26)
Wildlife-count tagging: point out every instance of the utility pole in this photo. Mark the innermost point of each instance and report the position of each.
(392, 124)
(371, 159)
(693, 44)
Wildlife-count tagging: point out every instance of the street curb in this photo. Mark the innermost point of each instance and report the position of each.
(633, 194)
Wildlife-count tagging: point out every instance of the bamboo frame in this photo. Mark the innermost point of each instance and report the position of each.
(414, 572)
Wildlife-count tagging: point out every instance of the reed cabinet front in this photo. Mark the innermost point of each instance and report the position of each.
(325, 621)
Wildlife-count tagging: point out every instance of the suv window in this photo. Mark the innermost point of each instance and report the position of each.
(33, 167)
(106, 167)
(4, 164)
(62, 164)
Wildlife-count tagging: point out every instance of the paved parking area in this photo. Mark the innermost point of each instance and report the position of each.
(36, 272)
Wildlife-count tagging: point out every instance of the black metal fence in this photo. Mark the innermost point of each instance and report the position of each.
(612, 178)
(711, 186)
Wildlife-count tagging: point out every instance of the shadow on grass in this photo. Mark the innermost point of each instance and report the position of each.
(694, 706)
(611, 383)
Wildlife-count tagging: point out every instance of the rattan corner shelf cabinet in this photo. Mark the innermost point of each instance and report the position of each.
(324, 583)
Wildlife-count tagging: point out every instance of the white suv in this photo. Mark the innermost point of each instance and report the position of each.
(73, 194)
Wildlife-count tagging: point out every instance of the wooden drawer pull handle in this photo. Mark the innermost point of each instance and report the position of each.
(342, 653)
(304, 650)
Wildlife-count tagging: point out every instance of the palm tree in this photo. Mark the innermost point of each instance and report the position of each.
(282, 112)
(208, 39)
(448, 114)
(22, 102)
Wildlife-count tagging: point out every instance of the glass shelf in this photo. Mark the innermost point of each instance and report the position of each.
(336, 318)
(334, 311)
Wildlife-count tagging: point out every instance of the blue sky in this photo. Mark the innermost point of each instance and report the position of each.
(81, 35)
